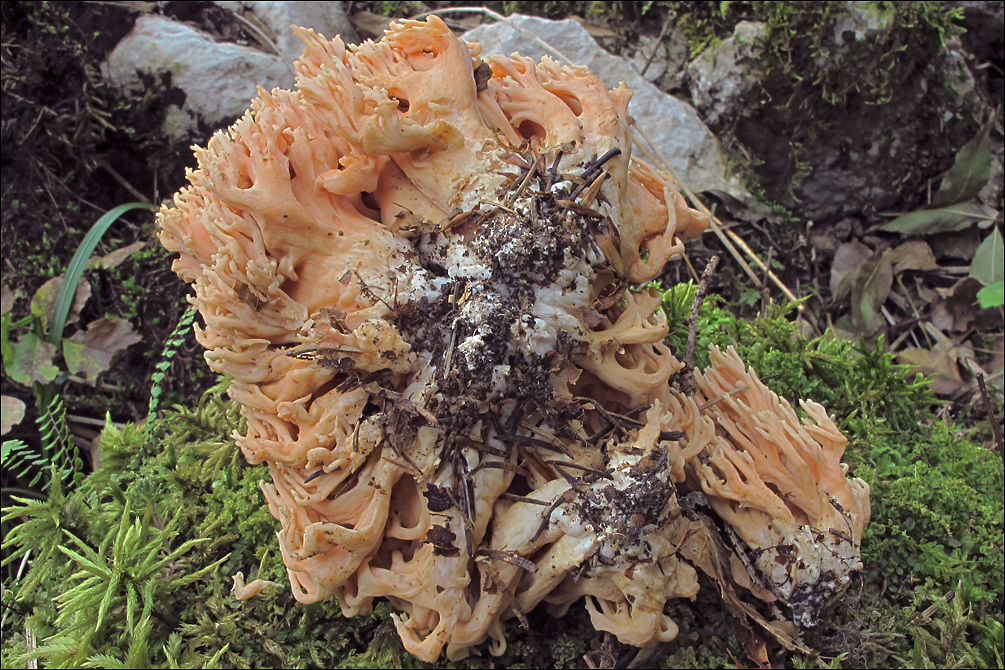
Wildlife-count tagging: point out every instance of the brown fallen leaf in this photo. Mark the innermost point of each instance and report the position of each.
(959, 245)
(705, 550)
(370, 25)
(847, 259)
(941, 363)
(91, 352)
(954, 309)
(755, 645)
(592, 28)
(870, 287)
(114, 258)
(913, 255)
(44, 300)
(8, 298)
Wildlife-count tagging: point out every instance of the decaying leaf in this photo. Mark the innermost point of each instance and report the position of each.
(114, 258)
(847, 259)
(913, 255)
(93, 351)
(32, 361)
(11, 413)
(954, 309)
(970, 172)
(941, 363)
(8, 298)
(871, 285)
(370, 25)
(989, 261)
(44, 300)
(705, 550)
(592, 28)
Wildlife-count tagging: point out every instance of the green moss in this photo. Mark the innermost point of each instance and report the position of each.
(194, 502)
(937, 516)
(862, 386)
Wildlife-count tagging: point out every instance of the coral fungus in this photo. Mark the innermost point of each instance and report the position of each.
(416, 267)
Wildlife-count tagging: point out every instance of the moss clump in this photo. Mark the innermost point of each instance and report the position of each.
(863, 387)
(159, 544)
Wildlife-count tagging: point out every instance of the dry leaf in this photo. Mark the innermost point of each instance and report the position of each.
(753, 644)
(847, 259)
(8, 298)
(44, 300)
(705, 550)
(370, 25)
(954, 309)
(592, 28)
(941, 363)
(925, 292)
(90, 353)
(114, 258)
(913, 255)
(11, 413)
(870, 286)
(960, 245)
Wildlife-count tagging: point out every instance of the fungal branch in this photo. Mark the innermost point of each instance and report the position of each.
(417, 268)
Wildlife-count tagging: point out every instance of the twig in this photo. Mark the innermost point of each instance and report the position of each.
(133, 191)
(30, 644)
(719, 398)
(996, 427)
(88, 421)
(659, 42)
(728, 238)
(692, 321)
(765, 294)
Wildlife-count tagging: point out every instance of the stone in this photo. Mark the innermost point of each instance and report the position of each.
(674, 127)
(217, 80)
(724, 79)
(829, 137)
(326, 18)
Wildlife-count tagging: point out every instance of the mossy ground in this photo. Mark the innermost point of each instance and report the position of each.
(931, 592)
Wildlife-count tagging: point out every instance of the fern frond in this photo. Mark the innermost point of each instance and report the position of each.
(58, 445)
(22, 460)
(171, 346)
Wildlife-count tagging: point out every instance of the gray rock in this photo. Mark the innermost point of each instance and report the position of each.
(326, 18)
(673, 125)
(218, 79)
(724, 79)
(828, 154)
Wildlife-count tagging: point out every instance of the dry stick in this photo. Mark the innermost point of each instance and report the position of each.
(728, 238)
(765, 294)
(659, 43)
(692, 321)
(124, 183)
(995, 426)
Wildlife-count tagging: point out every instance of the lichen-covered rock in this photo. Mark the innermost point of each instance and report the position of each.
(216, 79)
(857, 107)
(724, 79)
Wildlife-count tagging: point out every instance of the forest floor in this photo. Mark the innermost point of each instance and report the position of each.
(74, 149)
